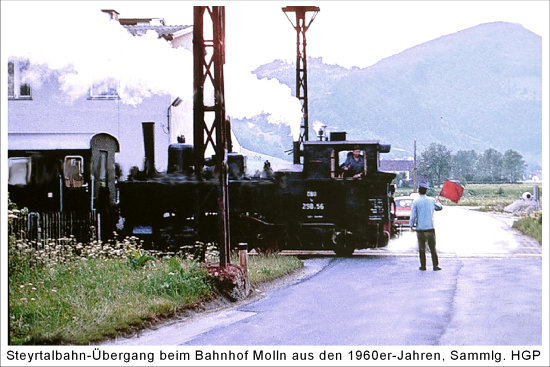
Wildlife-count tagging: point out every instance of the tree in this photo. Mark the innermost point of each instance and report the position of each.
(489, 166)
(513, 166)
(400, 180)
(435, 163)
(464, 164)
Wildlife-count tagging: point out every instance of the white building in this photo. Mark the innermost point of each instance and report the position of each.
(42, 111)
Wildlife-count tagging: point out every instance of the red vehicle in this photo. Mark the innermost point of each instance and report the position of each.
(403, 206)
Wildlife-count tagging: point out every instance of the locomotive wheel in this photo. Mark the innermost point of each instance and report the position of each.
(267, 246)
(383, 240)
(290, 238)
(288, 242)
(343, 246)
(344, 251)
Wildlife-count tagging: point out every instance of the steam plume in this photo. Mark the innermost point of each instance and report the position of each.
(80, 45)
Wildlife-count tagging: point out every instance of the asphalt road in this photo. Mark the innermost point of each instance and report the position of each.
(488, 293)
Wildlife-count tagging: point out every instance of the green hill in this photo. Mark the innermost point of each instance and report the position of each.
(475, 89)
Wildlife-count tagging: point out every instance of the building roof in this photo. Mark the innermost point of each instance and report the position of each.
(162, 30)
(396, 165)
(136, 21)
(166, 31)
(49, 141)
(140, 26)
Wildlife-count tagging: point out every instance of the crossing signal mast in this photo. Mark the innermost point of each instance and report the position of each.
(211, 128)
(210, 124)
(301, 26)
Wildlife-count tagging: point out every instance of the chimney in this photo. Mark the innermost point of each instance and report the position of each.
(113, 13)
(149, 145)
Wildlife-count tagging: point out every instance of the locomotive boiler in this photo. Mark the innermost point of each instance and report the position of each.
(307, 206)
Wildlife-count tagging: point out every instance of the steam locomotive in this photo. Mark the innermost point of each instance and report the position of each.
(308, 206)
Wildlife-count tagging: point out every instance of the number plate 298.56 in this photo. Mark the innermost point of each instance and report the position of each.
(311, 205)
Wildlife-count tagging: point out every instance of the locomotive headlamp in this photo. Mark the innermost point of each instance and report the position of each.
(321, 132)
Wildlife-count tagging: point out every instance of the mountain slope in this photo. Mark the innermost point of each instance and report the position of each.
(475, 89)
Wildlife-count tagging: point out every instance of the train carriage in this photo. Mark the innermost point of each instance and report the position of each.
(73, 174)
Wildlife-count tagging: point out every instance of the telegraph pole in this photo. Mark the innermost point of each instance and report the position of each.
(415, 182)
(301, 67)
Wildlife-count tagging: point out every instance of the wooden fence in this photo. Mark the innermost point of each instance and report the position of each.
(84, 227)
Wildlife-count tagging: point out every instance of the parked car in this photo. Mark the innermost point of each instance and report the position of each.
(403, 206)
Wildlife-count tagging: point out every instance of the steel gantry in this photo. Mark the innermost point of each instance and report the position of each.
(211, 129)
(301, 26)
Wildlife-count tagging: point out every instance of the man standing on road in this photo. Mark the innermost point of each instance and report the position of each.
(422, 219)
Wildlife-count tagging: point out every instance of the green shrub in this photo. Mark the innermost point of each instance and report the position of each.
(270, 266)
(530, 225)
(65, 292)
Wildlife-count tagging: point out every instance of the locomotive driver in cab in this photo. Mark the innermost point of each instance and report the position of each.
(353, 166)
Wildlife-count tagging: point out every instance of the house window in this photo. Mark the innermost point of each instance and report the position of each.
(17, 87)
(19, 169)
(73, 168)
(106, 89)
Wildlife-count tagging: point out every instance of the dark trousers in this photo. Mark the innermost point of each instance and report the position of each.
(423, 237)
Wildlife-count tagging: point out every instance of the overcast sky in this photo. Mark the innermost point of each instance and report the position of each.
(355, 33)
(77, 40)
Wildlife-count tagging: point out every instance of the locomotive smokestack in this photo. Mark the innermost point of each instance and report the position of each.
(149, 145)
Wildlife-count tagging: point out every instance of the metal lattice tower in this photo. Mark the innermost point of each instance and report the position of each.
(211, 129)
(301, 26)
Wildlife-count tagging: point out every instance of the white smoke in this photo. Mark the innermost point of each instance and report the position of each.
(247, 97)
(80, 46)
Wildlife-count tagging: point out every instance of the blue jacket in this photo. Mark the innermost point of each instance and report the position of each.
(355, 166)
(422, 212)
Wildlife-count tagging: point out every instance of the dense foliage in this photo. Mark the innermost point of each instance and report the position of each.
(437, 163)
(65, 292)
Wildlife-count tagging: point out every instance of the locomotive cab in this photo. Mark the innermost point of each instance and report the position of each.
(324, 159)
(332, 211)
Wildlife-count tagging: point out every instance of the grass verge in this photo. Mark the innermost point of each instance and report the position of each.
(530, 225)
(66, 293)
